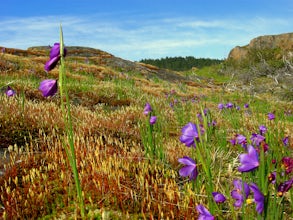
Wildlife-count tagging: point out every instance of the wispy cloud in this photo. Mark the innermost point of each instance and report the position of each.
(135, 39)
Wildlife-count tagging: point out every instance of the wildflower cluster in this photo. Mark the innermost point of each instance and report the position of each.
(150, 134)
(241, 192)
(230, 105)
(194, 136)
(254, 161)
(48, 87)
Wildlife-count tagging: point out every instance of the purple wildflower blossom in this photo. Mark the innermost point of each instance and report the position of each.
(272, 177)
(54, 57)
(258, 197)
(204, 214)
(190, 168)
(246, 105)
(284, 187)
(189, 134)
(271, 116)
(229, 105)
(286, 141)
(233, 141)
(241, 139)
(147, 109)
(221, 106)
(256, 139)
(218, 197)
(206, 111)
(287, 162)
(238, 194)
(9, 91)
(153, 120)
(248, 161)
(48, 87)
(262, 129)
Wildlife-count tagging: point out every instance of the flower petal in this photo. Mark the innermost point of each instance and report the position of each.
(187, 161)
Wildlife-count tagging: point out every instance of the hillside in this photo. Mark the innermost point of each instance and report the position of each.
(149, 143)
(100, 58)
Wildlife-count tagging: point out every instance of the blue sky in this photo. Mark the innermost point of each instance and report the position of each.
(137, 29)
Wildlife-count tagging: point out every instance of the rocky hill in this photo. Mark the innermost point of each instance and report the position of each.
(99, 58)
(265, 65)
(281, 44)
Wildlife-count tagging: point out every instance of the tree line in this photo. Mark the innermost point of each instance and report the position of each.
(181, 63)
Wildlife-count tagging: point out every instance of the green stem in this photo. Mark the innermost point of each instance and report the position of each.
(68, 126)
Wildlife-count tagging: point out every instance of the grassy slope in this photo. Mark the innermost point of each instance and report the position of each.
(107, 104)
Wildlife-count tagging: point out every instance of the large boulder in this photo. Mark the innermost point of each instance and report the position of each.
(281, 42)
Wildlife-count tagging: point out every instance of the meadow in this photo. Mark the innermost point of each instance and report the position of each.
(146, 147)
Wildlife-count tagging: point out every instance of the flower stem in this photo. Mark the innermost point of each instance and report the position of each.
(68, 126)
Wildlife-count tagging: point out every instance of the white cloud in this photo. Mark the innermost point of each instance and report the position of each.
(136, 39)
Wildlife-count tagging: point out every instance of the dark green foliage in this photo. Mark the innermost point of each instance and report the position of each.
(181, 63)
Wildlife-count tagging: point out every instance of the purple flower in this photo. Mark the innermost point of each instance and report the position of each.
(206, 111)
(272, 177)
(284, 187)
(48, 87)
(262, 129)
(229, 105)
(271, 116)
(199, 116)
(204, 214)
(51, 64)
(240, 192)
(147, 109)
(221, 106)
(54, 57)
(287, 162)
(153, 120)
(213, 123)
(189, 134)
(241, 139)
(219, 197)
(286, 141)
(249, 161)
(189, 169)
(233, 141)
(258, 197)
(256, 139)
(9, 91)
(246, 105)
(237, 108)
(265, 147)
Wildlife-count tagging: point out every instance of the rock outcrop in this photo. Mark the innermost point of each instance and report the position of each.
(282, 42)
